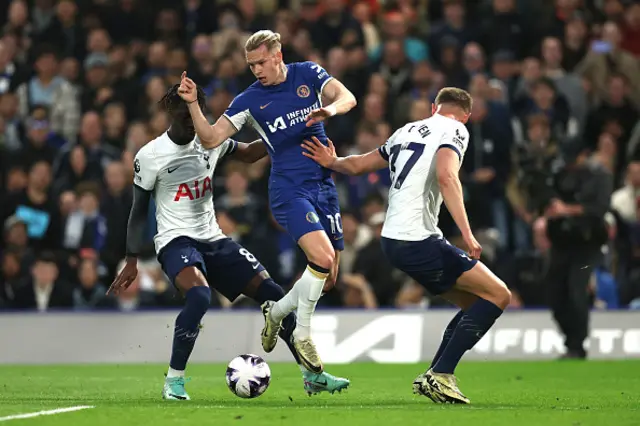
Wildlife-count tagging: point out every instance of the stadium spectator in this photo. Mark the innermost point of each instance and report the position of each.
(89, 292)
(42, 290)
(51, 90)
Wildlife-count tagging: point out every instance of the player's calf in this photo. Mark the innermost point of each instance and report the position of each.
(493, 298)
(333, 273)
(197, 295)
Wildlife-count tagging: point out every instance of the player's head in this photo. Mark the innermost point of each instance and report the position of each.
(264, 56)
(177, 108)
(453, 101)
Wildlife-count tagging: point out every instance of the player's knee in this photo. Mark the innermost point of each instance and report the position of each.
(323, 259)
(190, 277)
(502, 296)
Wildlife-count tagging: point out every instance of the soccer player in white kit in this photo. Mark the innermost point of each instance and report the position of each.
(177, 171)
(424, 158)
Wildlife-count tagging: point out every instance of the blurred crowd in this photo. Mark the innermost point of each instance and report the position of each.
(80, 81)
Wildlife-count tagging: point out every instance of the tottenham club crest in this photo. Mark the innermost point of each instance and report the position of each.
(136, 166)
(303, 91)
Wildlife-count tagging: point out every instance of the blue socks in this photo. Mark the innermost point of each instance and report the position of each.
(473, 324)
(187, 326)
(269, 290)
(448, 333)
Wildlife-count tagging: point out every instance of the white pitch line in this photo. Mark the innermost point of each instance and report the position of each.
(45, 413)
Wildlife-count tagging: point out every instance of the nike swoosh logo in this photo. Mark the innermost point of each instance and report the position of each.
(265, 105)
(323, 383)
(256, 266)
(305, 361)
(171, 170)
(177, 396)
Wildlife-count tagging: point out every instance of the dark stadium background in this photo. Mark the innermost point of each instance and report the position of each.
(540, 76)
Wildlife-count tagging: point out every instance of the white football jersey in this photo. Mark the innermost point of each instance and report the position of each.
(180, 177)
(414, 196)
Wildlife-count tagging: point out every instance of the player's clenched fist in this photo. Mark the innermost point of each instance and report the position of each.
(187, 89)
(473, 246)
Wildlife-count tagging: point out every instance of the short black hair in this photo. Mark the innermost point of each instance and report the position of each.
(44, 50)
(456, 97)
(46, 257)
(172, 100)
(544, 81)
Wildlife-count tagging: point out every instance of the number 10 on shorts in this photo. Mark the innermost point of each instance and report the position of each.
(336, 223)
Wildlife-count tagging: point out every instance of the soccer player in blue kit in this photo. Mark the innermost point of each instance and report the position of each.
(285, 107)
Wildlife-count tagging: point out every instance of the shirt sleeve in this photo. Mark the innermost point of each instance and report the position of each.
(146, 169)
(238, 111)
(456, 140)
(317, 76)
(228, 147)
(385, 150)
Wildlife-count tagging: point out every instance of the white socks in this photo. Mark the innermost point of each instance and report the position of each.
(303, 296)
(310, 287)
(286, 305)
(174, 373)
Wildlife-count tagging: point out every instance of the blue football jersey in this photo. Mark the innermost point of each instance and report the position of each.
(278, 114)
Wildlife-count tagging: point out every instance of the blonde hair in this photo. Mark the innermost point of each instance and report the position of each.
(270, 39)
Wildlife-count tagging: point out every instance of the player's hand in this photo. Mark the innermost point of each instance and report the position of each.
(187, 89)
(321, 154)
(318, 116)
(473, 246)
(125, 278)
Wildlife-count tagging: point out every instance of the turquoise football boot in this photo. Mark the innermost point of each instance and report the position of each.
(323, 382)
(174, 389)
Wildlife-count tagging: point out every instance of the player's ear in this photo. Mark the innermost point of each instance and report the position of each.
(466, 118)
(279, 56)
(433, 109)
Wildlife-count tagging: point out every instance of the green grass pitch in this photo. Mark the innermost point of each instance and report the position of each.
(502, 393)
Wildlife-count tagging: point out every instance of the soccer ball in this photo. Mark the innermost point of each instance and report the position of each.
(248, 376)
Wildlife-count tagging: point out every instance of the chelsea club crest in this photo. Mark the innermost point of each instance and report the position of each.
(303, 91)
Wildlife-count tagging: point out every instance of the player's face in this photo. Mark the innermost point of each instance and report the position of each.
(180, 114)
(265, 65)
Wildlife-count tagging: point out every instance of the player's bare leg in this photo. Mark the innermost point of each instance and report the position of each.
(308, 289)
(193, 285)
(493, 297)
(333, 274)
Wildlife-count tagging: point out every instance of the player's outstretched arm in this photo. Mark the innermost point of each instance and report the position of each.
(135, 239)
(250, 152)
(341, 101)
(351, 165)
(210, 136)
(447, 167)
